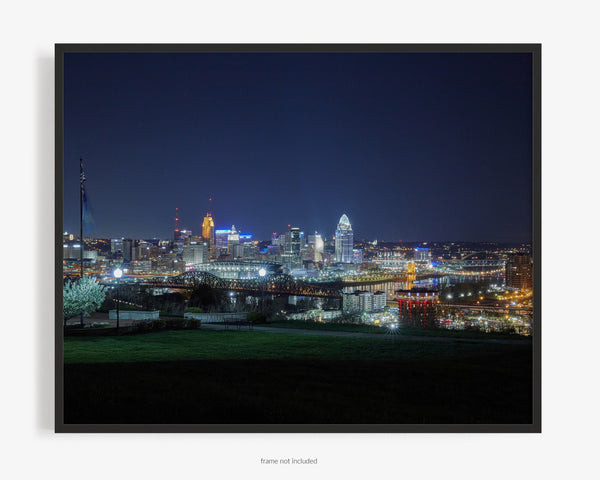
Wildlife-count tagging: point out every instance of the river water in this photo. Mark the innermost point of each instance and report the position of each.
(391, 287)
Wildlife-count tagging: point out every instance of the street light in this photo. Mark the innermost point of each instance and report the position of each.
(118, 273)
(262, 272)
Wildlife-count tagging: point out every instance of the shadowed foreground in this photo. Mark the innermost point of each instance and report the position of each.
(488, 388)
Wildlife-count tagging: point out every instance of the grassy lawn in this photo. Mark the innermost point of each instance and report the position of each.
(240, 377)
(345, 327)
(238, 345)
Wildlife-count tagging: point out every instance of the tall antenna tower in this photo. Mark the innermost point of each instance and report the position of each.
(176, 229)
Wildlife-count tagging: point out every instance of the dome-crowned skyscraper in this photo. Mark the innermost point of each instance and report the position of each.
(344, 241)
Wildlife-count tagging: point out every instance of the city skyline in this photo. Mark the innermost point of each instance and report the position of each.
(412, 147)
(267, 177)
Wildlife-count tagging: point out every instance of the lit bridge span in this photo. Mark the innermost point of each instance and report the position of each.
(472, 263)
(479, 263)
(280, 284)
(491, 308)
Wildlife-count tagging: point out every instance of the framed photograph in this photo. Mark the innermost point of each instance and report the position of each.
(298, 238)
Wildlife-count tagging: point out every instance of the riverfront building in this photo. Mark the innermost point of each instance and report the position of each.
(363, 301)
(418, 307)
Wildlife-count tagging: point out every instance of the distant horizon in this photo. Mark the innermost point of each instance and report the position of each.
(254, 238)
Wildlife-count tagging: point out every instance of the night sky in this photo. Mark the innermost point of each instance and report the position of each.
(411, 146)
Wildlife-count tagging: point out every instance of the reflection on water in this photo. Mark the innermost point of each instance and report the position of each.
(391, 287)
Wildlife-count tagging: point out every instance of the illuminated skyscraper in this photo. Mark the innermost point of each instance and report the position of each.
(233, 239)
(221, 237)
(295, 241)
(316, 242)
(344, 241)
(208, 230)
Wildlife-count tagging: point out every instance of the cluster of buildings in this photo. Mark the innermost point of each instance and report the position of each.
(224, 244)
(186, 251)
(302, 255)
(293, 248)
(297, 250)
(232, 254)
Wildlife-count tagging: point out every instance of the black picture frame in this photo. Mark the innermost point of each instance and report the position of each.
(534, 427)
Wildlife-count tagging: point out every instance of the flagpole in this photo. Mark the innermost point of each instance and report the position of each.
(81, 227)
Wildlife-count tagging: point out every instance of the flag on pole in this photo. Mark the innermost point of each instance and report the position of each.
(87, 218)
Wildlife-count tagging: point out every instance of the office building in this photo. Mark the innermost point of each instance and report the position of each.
(72, 251)
(519, 272)
(208, 231)
(344, 241)
(181, 240)
(316, 241)
(361, 301)
(221, 237)
(246, 238)
(233, 239)
(128, 249)
(195, 254)
(116, 245)
(295, 241)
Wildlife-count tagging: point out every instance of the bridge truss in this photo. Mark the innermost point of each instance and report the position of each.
(270, 284)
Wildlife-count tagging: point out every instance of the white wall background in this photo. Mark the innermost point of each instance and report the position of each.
(569, 36)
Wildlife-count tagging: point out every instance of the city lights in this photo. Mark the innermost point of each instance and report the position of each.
(289, 238)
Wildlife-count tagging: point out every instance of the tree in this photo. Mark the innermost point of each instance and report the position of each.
(83, 296)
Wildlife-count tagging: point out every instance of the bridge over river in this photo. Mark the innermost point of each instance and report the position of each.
(281, 284)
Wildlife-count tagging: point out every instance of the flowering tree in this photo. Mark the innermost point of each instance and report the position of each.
(83, 296)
